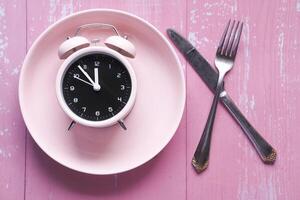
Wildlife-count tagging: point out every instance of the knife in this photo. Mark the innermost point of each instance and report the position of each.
(266, 152)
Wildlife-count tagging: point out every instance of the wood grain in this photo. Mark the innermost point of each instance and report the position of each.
(264, 83)
(261, 83)
(12, 128)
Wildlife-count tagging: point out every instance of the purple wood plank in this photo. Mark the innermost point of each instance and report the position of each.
(264, 83)
(12, 128)
(162, 178)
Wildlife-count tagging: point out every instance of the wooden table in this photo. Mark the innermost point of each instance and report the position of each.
(264, 83)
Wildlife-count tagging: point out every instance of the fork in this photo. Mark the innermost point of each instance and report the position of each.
(224, 60)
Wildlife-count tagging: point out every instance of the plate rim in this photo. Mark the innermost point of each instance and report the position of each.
(62, 20)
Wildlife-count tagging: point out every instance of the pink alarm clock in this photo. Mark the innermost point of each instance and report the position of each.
(96, 84)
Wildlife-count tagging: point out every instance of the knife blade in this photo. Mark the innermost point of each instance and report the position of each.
(266, 152)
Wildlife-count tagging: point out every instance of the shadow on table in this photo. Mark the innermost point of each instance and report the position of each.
(76, 182)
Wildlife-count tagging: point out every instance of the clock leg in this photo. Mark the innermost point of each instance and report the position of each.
(121, 122)
(71, 125)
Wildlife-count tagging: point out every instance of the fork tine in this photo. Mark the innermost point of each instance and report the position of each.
(220, 47)
(232, 39)
(227, 39)
(236, 43)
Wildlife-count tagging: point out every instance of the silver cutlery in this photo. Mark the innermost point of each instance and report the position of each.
(210, 77)
(224, 60)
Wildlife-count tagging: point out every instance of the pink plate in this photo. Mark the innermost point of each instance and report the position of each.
(152, 122)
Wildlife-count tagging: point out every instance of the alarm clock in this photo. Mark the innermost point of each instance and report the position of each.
(96, 84)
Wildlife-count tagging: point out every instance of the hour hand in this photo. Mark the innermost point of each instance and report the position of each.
(96, 86)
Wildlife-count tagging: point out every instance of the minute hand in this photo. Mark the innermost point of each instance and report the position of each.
(266, 152)
(86, 75)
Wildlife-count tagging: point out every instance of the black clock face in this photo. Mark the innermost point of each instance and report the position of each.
(96, 86)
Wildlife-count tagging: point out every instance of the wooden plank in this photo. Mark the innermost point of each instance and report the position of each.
(12, 128)
(264, 83)
(162, 178)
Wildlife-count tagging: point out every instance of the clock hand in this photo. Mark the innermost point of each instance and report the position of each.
(86, 75)
(96, 86)
(83, 80)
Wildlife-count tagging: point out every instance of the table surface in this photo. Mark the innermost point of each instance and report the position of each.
(264, 83)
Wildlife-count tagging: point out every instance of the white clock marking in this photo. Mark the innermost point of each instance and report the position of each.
(97, 63)
(72, 88)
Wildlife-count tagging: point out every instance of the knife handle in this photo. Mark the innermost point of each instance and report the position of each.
(266, 152)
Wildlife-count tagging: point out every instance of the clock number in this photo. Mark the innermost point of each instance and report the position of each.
(75, 100)
(122, 87)
(76, 75)
(110, 109)
(118, 75)
(97, 63)
(72, 88)
(85, 67)
(109, 66)
(120, 99)
(97, 113)
(83, 109)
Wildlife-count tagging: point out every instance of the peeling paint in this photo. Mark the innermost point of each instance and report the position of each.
(192, 37)
(52, 10)
(2, 12)
(281, 56)
(243, 188)
(252, 103)
(244, 99)
(15, 71)
(3, 38)
(298, 6)
(224, 8)
(5, 153)
(3, 108)
(66, 9)
(194, 16)
(234, 7)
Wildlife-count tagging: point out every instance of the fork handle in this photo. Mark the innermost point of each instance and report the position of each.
(266, 152)
(201, 155)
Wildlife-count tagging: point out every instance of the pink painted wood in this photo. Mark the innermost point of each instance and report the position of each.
(264, 83)
(12, 127)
